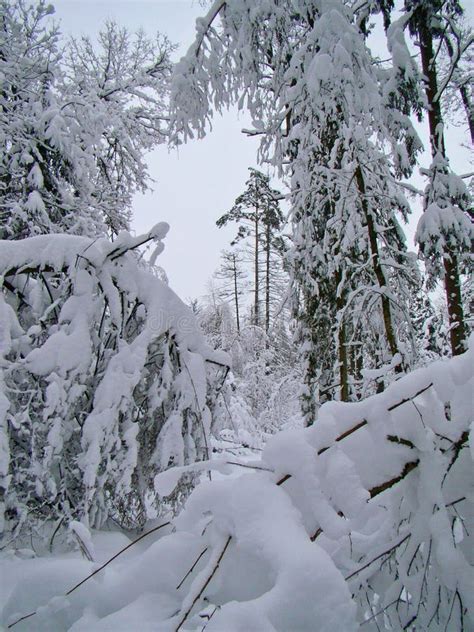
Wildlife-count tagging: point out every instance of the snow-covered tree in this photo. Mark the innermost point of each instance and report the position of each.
(105, 380)
(117, 88)
(339, 127)
(444, 233)
(316, 537)
(43, 168)
(457, 100)
(75, 122)
(232, 280)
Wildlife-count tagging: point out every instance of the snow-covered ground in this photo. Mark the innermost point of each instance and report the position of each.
(364, 518)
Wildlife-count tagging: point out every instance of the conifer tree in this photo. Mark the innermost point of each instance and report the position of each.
(259, 218)
(444, 233)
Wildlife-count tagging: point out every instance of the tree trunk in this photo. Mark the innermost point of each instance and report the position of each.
(256, 271)
(355, 363)
(343, 363)
(452, 282)
(469, 109)
(463, 91)
(236, 294)
(379, 273)
(267, 280)
(343, 358)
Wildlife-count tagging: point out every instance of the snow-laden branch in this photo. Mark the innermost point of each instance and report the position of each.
(358, 535)
(112, 357)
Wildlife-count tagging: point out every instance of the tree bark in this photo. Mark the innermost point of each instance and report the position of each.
(379, 273)
(343, 357)
(267, 280)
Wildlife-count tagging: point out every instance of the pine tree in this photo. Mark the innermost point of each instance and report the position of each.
(258, 215)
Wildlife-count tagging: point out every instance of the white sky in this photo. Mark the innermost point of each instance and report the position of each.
(200, 182)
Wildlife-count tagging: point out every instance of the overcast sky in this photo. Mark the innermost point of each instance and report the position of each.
(200, 182)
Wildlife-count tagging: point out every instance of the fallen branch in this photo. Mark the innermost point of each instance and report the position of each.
(401, 441)
(252, 467)
(363, 423)
(378, 489)
(144, 535)
(206, 583)
(192, 568)
(411, 398)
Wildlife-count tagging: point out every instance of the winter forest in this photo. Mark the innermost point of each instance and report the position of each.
(292, 451)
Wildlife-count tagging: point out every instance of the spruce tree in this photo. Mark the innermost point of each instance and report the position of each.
(444, 232)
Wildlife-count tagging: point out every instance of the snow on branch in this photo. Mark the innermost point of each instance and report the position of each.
(347, 540)
(105, 380)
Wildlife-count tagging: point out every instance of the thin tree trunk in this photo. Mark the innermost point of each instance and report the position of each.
(256, 271)
(236, 294)
(343, 363)
(343, 359)
(267, 280)
(379, 273)
(452, 282)
(355, 363)
(469, 108)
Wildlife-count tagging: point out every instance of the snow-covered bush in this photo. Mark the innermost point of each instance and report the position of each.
(364, 520)
(105, 380)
